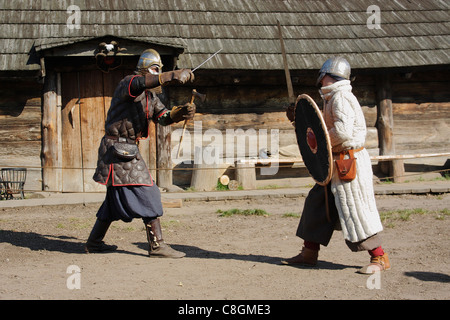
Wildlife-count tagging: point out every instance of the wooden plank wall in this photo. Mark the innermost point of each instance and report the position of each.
(255, 100)
(237, 99)
(92, 114)
(20, 126)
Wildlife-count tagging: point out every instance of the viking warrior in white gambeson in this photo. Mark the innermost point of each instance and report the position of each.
(352, 206)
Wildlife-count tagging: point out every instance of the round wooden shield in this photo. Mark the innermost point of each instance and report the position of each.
(313, 139)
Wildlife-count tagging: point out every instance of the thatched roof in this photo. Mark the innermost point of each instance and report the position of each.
(412, 33)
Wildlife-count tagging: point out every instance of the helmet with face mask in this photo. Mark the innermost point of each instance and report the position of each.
(337, 67)
(149, 58)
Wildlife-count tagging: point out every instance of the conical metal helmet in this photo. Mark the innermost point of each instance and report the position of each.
(149, 58)
(336, 66)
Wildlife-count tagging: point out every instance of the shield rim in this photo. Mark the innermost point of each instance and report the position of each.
(327, 138)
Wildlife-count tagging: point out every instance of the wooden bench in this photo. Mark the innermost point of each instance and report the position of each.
(246, 168)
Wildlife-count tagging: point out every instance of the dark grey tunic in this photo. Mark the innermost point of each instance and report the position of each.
(314, 225)
(129, 202)
(128, 117)
(131, 191)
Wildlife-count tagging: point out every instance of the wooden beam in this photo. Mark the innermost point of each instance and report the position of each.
(204, 174)
(246, 174)
(409, 156)
(172, 203)
(373, 158)
(164, 158)
(163, 149)
(152, 153)
(51, 158)
(385, 125)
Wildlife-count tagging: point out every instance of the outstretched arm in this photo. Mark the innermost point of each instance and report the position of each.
(148, 81)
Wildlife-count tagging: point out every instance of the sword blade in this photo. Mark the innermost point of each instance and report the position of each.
(212, 56)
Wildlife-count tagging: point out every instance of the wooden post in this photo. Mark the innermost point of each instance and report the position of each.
(51, 138)
(163, 148)
(152, 163)
(164, 158)
(204, 175)
(246, 174)
(385, 126)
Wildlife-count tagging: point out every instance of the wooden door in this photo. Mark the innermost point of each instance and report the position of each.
(86, 98)
(72, 164)
(82, 126)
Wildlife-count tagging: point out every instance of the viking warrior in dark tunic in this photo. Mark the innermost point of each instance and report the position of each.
(131, 191)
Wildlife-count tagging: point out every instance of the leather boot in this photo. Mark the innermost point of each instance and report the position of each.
(376, 264)
(156, 245)
(307, 257)
(94, 243)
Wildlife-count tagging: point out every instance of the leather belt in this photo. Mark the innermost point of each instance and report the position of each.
(121, 139)
(345, 151)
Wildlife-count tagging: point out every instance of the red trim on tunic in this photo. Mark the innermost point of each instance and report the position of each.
(162, 114)
(107, 178)
(129, 86)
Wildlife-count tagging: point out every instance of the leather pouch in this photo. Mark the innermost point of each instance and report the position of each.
(125, 151)
(346, 168)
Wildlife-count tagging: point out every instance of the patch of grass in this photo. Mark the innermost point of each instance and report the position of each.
(220, 186)
(246, 212)
(74, 223)
(122, 227)
(441, 214)
(269, 186)
(170, 223)
(79, 223)
(445, 177)
(401, 214)
(389, 217)
(291, 215)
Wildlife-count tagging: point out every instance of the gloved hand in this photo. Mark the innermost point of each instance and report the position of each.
(177, 76)
(290, 112)
(185, 112)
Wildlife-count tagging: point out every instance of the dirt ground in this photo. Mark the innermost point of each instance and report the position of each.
(235, 257)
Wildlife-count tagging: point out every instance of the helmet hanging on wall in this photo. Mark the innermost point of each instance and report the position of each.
(108, 56)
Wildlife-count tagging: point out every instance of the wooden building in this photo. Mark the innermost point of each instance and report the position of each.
(54, 96)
